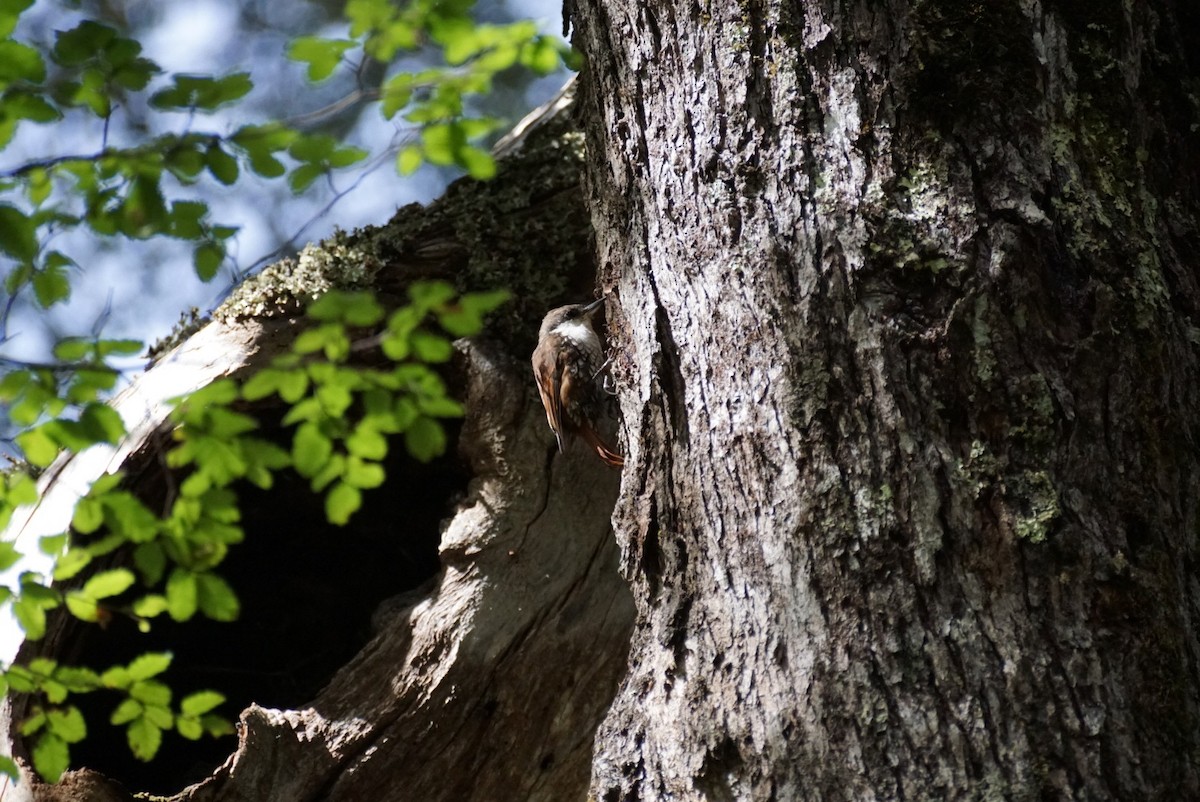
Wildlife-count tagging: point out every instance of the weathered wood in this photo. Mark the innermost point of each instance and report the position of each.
(491, 685)
(906, 299)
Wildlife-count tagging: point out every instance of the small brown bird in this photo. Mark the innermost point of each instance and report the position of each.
(567, 364)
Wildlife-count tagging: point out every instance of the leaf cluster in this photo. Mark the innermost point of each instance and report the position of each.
(145, 709)
(140, 192)
(342, 416)
(433, 99)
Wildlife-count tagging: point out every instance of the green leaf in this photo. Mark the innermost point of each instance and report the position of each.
(71, 563)
(51, 545)
(151, 561)
(200, 703)
(321, 55)
(329, 337)
(346, 156)
(72, 349)
(39, 449)
(160, 716)
(335, 398)
(135, 73)
(303, 176)
(440, 407)
(477, 162)
(108, 583)
(217, 599)
(19, 62)
(363, 475)
(28, 106)
(9, 556)
(144, 212)
(67, 723)
(34, 723)
(426, 295)
(430, 347)
(425, 439)
(409, 160)
(367, 442)
(189, 728)
(149, 665)
(202, 92)
(93, 93)
(51, 757)
(77, 679)
(150, 693)
(128, 516)
(127, 711)
(56, 692)
(182, 594)
(265, 164)
(289, 384)
(216, 726)
(187, 219)
(184, 162)
(144, 738)
(465, 318)
(9, 768)
(10, 12)
(119, 347)
(31, 616)
(293, 384)
(102, 423)
(87, 384)
(313, 148)
(397, 93)
(87, 518)
(22, 489)
(223, 167)
(207, 259)
(82, 42)
(542, 55)
(150, 606)
(18, 233)
(310, 450)
(342, 502)
(115, 677)
(332, 470)
(352, 308)
(441, 143)
(83, 608)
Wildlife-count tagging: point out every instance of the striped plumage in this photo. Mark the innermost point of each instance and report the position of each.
(566, 365)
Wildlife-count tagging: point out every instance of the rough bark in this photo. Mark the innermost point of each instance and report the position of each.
(488, 681)
(905, 301)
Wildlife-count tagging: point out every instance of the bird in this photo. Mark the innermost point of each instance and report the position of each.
(567, 363)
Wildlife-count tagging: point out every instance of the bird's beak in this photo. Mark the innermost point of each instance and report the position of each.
(591, 308)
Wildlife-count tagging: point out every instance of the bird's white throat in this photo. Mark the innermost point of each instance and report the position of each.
(579, 333)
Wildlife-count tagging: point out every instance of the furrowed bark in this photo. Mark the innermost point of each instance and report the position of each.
(905, 302)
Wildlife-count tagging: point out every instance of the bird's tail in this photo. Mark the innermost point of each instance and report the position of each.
(606, 454)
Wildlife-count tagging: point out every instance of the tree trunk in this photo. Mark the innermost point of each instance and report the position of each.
(904, 302)
(905, 312)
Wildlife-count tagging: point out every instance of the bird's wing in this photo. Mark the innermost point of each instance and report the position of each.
(551, 377)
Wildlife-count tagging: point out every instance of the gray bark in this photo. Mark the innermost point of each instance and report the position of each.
(905, 301)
